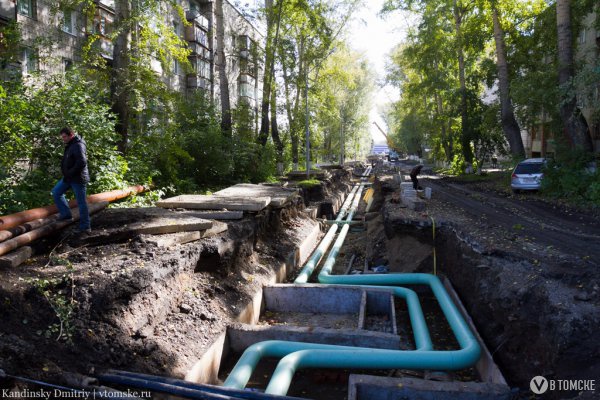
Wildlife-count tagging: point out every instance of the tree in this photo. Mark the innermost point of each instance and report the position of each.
(222, 68)
(273, 25)
(510, 126)
(120, 72)
(575, 125)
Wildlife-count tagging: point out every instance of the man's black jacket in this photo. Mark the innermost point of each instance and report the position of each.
(74, 162)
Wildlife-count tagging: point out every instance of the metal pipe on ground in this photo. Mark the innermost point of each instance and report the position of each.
(29, 237)
(192, 385)
(26, 227)
(183, 389)
(12, 220)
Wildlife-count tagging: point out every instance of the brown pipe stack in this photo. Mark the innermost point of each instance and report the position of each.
(20, 218)
(35, 234)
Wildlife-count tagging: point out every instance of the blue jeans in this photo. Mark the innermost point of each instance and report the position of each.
(58, 193)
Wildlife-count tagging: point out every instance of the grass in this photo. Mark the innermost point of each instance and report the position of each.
(309, 183)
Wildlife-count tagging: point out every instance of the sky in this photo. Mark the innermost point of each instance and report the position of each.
(376, 37)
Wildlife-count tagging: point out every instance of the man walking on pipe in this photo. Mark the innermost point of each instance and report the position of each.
(75, 176)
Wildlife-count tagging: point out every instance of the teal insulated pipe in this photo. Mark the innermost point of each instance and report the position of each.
(318, 254)
(241, 373)
(467, 356)
(368, 358)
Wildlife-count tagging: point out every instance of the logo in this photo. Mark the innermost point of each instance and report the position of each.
(539, 385)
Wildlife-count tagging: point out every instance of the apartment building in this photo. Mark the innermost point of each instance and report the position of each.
(52, 41)
(540, 141)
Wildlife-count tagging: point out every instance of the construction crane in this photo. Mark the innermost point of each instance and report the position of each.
(394, 154)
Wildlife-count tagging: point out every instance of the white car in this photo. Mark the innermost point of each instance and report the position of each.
(528, 175)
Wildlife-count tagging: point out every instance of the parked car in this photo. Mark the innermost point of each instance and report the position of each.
(393, 156)
(528, 175)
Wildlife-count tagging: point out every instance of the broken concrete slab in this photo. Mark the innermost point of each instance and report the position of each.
(280, 196)
(203, 202)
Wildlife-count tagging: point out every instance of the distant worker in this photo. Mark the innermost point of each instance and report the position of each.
(413, 176)
(75, 176)
(494, 162)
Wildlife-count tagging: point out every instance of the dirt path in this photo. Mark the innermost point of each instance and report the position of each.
(550, 227)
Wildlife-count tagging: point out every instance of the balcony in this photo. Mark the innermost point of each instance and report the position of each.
(199, 50)
(196, 34)
(197, 82)
(196, 17)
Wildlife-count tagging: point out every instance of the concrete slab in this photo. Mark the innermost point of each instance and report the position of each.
(173, 239)
(16, 257)
(312, 299)
(169, 224)
(280, 196)
(220, 215)
(367, 387)
(240, 337)
(301, 175)
(202, 202)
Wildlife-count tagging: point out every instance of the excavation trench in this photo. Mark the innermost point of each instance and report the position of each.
(352, 316)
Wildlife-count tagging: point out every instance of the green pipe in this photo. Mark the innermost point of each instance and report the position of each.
(241, 373)
(317, 255)
(368, 358)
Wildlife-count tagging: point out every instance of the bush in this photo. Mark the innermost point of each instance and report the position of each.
(570, 176)
(31, 120)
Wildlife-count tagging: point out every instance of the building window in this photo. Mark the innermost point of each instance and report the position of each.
(103, 21)
(29, 61)
(69, 22)
(27, 7)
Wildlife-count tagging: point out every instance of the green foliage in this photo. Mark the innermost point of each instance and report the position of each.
(572, 176)
(59, 292)
(309, 183)
(31, 118)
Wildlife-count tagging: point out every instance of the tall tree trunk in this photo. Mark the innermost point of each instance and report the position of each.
(288, 108)
(222, 68)
(273, 23)
(510, 126)
(120, 72)
(574, 122)
(275, 128)
(464, 113)
(263, 133)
